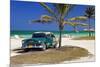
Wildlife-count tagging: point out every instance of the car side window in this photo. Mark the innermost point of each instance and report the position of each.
(48, 35)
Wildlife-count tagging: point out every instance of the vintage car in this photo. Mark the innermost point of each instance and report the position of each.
(42, 40)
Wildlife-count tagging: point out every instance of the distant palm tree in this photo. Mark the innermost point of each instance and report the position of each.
(58, 14)
(90, 13)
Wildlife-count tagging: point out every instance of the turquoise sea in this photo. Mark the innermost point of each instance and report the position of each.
(28, 34)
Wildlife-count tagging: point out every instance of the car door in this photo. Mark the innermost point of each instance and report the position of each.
(49, 40)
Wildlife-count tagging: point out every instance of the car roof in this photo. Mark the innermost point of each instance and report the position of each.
(44, 32)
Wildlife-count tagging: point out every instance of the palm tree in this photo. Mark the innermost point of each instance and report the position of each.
(90, 13)
(57, 14)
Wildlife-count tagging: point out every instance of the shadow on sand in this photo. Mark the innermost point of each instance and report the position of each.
(19, 50)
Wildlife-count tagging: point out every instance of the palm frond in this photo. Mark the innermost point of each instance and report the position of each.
(82, 24)
(46, 17)
(75, 23)
(90, 11)
(68, 9)
(79, 18)
(62, 9)
(68, 23)
(41, 21)
(48, 8)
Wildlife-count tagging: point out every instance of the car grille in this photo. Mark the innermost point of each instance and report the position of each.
(38, 44)
(35, 44)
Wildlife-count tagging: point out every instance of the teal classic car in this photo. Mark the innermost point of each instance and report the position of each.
(42, 40)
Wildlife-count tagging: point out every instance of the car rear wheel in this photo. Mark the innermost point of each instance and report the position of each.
(55, 45)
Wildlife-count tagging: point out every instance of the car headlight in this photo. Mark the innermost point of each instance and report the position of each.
(39, 41)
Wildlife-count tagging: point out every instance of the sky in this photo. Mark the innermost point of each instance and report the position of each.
(23, 12)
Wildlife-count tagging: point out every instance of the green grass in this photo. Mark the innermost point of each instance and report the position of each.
(51, 56)
(85, 38)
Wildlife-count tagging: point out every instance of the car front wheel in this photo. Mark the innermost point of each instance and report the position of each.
(26, 50)
(44, 47)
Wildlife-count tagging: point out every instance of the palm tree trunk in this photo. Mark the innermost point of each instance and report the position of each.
(60, 34)
(89, 29)
(60, 37)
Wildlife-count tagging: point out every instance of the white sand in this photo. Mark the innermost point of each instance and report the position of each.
(87, 44)
(15, 43)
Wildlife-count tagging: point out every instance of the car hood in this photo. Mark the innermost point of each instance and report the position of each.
(35, 39)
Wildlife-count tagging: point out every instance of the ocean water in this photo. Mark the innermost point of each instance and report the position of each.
(28, 34)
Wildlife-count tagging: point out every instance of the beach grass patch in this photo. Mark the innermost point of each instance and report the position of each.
(51, 56)
(85, 38)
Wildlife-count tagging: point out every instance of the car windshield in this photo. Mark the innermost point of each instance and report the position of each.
(38, 35)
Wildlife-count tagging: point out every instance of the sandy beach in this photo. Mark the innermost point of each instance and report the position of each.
(87, 44)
